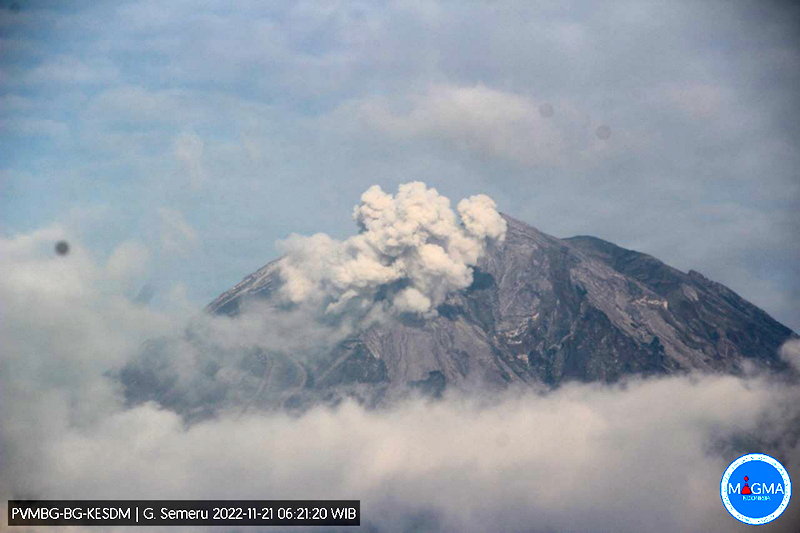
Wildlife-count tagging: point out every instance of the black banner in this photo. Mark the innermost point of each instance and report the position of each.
(184, 512)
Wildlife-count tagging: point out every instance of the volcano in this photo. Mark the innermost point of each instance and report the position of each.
(424, 299)
(540, 311)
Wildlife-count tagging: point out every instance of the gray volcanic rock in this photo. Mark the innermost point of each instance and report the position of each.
(540, 311)
(546, 310)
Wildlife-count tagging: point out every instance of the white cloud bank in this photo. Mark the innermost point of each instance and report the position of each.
(643, 456)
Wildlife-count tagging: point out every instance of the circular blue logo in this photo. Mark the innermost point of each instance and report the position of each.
(755, 489)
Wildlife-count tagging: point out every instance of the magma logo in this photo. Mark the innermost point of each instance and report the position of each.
(755, 489)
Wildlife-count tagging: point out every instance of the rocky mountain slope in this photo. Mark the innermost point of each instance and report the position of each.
(540, 311)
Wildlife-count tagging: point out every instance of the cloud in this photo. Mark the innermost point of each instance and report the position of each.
(34, 127)
(698, 100)
(68, 70)
(475, 119)
(138, 106)
(14, 102)
(62, 325)
(189, 151)
(128, 262)
(641, 455)
(177, 235)
(412, 244)
(790, 352)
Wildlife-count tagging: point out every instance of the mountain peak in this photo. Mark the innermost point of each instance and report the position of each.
(539, 310)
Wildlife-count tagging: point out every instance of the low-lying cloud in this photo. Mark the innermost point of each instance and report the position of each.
(644, 455)
(790, 352)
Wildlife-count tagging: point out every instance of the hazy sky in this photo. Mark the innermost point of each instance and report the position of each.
(204, 132)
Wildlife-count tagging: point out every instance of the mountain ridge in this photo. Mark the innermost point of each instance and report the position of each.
(540, 311)
(547, 310)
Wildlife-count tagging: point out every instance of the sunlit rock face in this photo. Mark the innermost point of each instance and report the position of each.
(539, 311)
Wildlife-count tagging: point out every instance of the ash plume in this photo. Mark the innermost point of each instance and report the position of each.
(412, 250)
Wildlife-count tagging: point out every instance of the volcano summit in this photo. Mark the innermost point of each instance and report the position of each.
(427, 298)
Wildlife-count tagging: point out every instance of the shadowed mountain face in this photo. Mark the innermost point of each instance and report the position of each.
(540, 310)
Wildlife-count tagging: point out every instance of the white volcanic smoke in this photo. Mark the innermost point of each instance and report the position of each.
(411, 245)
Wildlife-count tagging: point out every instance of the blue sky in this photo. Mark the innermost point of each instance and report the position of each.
(183, 139)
